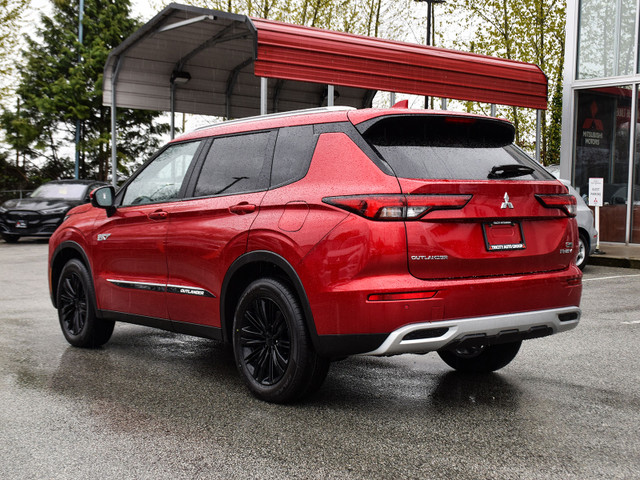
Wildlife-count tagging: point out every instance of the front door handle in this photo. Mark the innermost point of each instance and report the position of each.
(158, 215)
(242, 208)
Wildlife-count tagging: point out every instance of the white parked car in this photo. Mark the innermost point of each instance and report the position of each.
(586, 225)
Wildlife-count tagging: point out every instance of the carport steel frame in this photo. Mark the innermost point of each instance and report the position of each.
(304, 61)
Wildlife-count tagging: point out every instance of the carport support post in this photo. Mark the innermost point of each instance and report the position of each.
(493, 109)
(114, 113)
(263, 95)
(392, 98)
(538, 134)
(173, 109)
(114, 143)
(331, 91)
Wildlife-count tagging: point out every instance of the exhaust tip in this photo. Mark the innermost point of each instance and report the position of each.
(569, 316)
(426, 333)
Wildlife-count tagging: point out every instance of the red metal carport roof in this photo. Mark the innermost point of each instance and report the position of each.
(225, 54)
(312, 55)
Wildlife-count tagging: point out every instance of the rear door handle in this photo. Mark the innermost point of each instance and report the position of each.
(242, 208)
(158, 215)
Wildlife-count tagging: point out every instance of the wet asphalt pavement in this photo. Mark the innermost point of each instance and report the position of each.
(155, 405)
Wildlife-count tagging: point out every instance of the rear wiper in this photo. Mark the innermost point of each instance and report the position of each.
(509, 171)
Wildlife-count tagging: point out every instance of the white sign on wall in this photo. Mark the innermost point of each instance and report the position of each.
(596, 188)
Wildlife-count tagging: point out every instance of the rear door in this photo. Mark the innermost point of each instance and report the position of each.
(488, 209)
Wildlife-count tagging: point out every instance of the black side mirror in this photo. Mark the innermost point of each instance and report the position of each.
(104, 197)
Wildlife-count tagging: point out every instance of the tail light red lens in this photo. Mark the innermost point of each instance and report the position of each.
(565, 202)
(397, 207)
(400, 296)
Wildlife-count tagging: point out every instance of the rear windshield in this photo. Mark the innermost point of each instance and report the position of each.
(447, 147)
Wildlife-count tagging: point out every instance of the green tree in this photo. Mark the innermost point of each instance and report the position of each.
(525, 30)
(378, 18)
(11, 12)
(61, 82)
(555, 126)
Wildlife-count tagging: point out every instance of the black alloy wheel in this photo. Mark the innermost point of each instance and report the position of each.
(271, 345)
(265, 341)
(73, 304)
(76, 311)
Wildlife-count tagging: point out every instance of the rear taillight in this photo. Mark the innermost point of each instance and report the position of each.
(400, 296)
(565, 202)
(397, 207)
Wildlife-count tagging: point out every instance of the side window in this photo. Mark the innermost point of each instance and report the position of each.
(236, 164)
(161, 179)
(294, 150)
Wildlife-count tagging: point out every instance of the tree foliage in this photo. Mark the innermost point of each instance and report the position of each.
(378, 18)
(11, 12)
(61, 83)
(524, 30)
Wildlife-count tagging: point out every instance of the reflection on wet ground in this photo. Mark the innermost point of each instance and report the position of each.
(151, 404)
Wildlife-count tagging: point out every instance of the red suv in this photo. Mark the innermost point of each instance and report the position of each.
(306, 237)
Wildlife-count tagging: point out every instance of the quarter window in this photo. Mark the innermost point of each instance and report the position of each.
(294, 151)
(236, 164)
(161, 180)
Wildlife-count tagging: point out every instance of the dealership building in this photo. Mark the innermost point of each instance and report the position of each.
(601, 111)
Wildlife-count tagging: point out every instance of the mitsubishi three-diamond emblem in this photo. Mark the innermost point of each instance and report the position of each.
(506, 203)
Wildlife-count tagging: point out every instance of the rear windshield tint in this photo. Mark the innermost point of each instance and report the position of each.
(456, 148)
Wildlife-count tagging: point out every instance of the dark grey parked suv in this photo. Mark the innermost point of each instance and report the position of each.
(40, 214)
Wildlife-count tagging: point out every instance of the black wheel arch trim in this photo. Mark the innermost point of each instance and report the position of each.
(69, 244)
(262, 256)
(327, 346)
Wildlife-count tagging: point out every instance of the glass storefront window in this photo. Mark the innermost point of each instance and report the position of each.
(606, 38)
(602, 150)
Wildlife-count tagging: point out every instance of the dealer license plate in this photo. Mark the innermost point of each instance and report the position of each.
(503, 235)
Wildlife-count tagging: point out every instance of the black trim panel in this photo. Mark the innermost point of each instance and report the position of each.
(196, 330)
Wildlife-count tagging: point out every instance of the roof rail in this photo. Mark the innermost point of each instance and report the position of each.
(290, 113)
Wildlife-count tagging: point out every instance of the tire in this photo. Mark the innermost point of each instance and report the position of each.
(10, 237)
(482, 359)
(271, 346)
(583, 252)
(76, 308)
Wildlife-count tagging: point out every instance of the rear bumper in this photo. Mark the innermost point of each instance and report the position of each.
(432, 336)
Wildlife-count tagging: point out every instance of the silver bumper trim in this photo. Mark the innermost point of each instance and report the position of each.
(491, 326)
